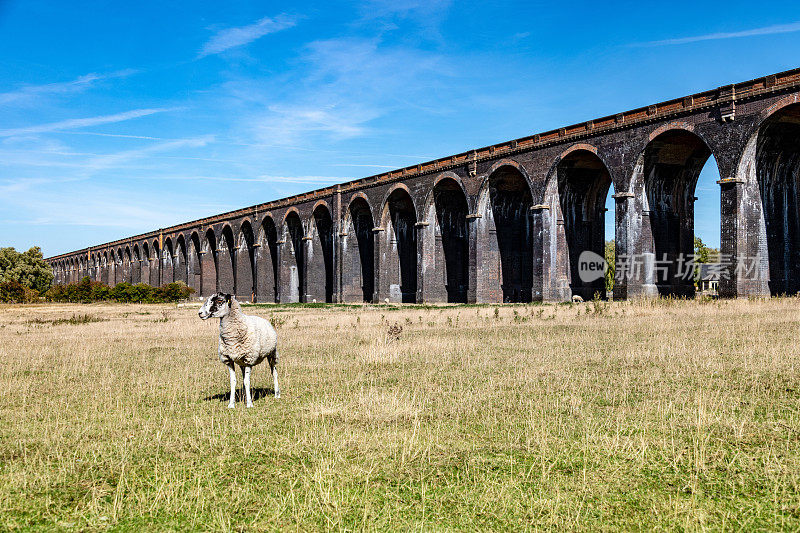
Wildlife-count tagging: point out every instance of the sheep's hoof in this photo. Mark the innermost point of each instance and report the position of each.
(249, 405)
(278, 395)
(231, 406)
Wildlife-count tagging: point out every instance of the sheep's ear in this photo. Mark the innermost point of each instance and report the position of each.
(228, 298)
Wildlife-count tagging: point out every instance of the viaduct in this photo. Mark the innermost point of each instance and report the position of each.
(506, 223)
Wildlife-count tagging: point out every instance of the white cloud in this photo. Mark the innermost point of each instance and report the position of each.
(347, 84)
(235, 37)
(27, 93)
(291, 123)
(82, 122)
(768, 30)
(120, 158)
(319, 180)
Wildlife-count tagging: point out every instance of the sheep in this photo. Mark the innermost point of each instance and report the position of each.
(244, 340)
(577, 299)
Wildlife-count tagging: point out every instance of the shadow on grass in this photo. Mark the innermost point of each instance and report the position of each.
(257, 393)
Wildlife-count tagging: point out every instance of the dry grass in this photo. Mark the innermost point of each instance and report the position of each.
(666, 415)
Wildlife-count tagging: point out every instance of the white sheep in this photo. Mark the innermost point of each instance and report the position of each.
(244, 340)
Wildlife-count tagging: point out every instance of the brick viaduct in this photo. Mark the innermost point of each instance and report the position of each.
(506, 223)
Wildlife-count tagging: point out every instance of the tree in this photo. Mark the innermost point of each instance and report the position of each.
(27, 268)
(611, 264)
(702, 252)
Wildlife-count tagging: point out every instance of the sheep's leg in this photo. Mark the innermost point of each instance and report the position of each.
(246, 371)
(232, 400)
(275, 386)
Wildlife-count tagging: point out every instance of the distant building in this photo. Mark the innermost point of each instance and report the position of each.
(708, 278)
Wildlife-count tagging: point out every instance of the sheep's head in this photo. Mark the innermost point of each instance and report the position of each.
(217, 306)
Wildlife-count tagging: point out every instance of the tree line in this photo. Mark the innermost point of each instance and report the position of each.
(25, 277)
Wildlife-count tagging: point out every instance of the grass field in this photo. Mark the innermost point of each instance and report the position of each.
(665, 415)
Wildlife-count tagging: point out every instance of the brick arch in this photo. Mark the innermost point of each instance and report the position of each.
(777, 106)
(505, 235)
(167, 262)
(226, 259)
(358, 250)
(288, 212)
(194, 258)
(245, 257)
(266, 260)
(448, 175)
(769, 170)
(551, 179)
(292, 262)
(180, 268)
(346, 212)
(319, 254)
(398, 246)
(445, 241)
(572, 217)
(663, 186)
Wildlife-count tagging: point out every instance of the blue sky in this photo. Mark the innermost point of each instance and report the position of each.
(120, 118)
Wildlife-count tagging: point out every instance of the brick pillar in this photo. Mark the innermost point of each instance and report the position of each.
(538, 212)
(336, 231)
(741, 242)
(624, 246)
(420, 228)
(306, 248)
(279, 292)
(379, 234)
(472, 255)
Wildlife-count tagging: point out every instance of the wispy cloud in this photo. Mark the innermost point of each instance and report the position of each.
(362, 165)
(347, 84)
(83, 122)
(289, 123)
(311, 180)
(29, 93)
(235, 37)
(119, 158)
(767, 30)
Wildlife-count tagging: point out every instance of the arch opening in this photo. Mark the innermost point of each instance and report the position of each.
(180, 264)
(167, 262)
(778, 176)
(136, 266)
(583, 185)
(399, 251)
(293, 260)
(194, 264)
(226, 262)
(358, 253)
(445, 266)
(245, 257)
(672, 163)
(126, 266)
(209, 264)
(155, 265)
(147, 264)
(320, 257)
(267, 262)
(506, 239)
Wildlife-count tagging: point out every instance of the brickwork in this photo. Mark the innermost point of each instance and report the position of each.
(506, 222)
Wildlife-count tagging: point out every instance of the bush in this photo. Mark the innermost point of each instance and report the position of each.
(14, 292)
(86, 291)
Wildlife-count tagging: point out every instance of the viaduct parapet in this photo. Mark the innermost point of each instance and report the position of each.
(507, 223)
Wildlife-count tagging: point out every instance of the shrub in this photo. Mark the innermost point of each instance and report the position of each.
(86, 291)
(16, 293)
